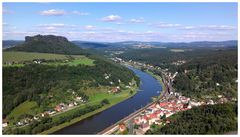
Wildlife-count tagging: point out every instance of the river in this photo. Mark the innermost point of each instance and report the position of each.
(94, 124)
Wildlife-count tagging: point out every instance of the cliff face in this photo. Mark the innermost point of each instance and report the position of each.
(47, 44)
(46, 38)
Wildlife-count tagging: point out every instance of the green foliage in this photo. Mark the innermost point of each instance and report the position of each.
(48, 44)
(205, 67)
(105, 102)
(47, 122)
(17, 56)
(38, 81)
(212, 119)
(24, 108)
(21, 58)
(204, 72)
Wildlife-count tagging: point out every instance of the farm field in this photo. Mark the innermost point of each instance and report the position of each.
(20, 57)
(24, 108)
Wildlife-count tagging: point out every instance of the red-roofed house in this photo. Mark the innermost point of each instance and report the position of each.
(122, 127)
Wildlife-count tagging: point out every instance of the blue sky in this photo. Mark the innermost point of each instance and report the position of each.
(110, 22)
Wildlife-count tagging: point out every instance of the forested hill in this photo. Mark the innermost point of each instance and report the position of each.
(210, 119)
(47, 44)
(202, 73)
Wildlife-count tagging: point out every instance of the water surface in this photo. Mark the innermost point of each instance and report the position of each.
(94, 124)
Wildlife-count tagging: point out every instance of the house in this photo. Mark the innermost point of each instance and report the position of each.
(139, 132)
(222, 100)
(37, 61)
(137, 121)
(79, 98)
(75, 103)
(195, 103)
(50, 112)
(4, 124)
(71, 105)
(128, 87)
(44, 114)
(219, 96)
(35, 118)
(115, 89)
(168, 114)
(149, 110)
(168, 122)
(122, 127)
(19, 123)
(153, 118)
(210, 102)
(145, 126)
(158, 122)
(144, 119)
(163, 104)
(58, 108)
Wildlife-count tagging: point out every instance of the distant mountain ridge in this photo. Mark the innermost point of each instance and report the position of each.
(47, 44)
(131, 44)
(11, 43)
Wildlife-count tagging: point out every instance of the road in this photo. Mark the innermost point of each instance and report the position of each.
(114, 127)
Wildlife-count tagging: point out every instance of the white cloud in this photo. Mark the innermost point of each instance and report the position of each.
(120, 23)
(111, 18)
(53, 12)
(188, 27)
(90, 27)
(55, 27)
(209, 27)
(166, 25)
(140, 20)
(52, 25)
(217, 27)
(80, 13)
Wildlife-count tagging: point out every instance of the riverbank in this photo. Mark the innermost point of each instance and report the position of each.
(124, 95)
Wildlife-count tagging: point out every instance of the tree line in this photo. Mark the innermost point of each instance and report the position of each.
(211, 119)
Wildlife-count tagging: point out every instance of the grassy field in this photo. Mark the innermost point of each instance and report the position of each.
(84, 61)
(26, 56)
(29, 56)
(24, 108)
(177, 50)
(96, 99)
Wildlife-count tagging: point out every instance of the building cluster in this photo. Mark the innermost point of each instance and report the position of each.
(58, 108)
(179, 62)
(156, 113)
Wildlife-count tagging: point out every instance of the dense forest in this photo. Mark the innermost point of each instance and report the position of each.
(211, 119)
(33, 80)
(206, 71)
(211, 74)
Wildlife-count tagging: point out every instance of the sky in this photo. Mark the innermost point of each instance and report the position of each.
(113, 22)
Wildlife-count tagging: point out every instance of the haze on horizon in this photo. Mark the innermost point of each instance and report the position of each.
(112, 22)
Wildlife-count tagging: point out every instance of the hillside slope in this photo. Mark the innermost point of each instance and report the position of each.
(47, 44)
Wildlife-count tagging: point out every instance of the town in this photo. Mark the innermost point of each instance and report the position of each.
(157, 113)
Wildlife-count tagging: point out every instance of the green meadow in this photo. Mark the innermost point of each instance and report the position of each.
(20, 57)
